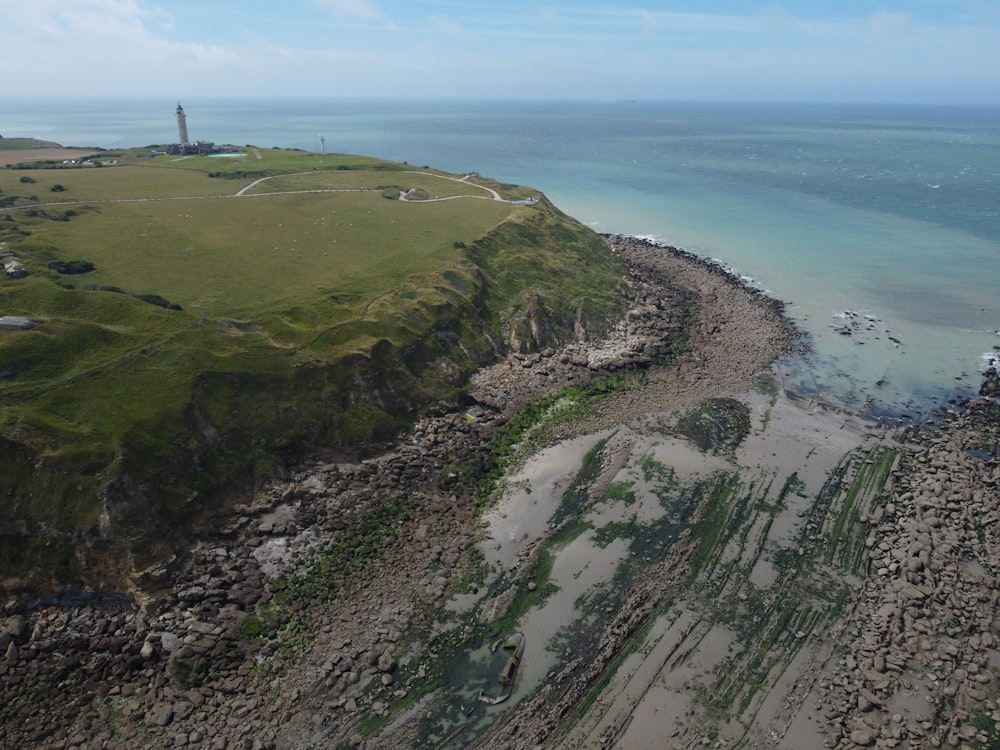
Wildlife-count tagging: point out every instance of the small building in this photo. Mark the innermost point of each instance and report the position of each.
(188, 149)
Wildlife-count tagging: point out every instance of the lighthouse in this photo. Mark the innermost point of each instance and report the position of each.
(182, 128)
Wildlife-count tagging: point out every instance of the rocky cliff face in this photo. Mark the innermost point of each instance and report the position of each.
(240, 429)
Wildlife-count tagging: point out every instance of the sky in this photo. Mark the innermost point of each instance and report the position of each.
(921, 51)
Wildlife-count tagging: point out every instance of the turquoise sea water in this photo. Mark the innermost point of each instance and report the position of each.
(883, 222)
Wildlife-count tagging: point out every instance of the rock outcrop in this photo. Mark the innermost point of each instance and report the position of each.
(919, 667)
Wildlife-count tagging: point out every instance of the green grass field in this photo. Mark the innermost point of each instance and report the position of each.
(17, 144)
(242, 307)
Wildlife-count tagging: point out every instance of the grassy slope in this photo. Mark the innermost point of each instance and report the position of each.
(17, 144)
(326, 316)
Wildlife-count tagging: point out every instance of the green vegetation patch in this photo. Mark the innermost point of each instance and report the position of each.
(531, 427)
(71, 267)
(353, 549)
(717, 424)
(210, 333)
(857, 482)
(544, 255)
(17, 144)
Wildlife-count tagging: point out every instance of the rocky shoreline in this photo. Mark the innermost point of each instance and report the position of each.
(286, 623)
(918, 667)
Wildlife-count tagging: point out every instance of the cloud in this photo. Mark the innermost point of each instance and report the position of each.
(451, 28)
(649, 24)
(776, 20)
(886, 22)
(483, 48)
(87, 45)
(52, 18)
(358, 10)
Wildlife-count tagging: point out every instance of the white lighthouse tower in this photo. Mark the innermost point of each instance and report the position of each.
(182, 128)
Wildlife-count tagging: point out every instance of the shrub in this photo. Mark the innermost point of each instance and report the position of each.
(57, 188)
(156, 299)
(69, 267)
(115, 289)
(27, 179)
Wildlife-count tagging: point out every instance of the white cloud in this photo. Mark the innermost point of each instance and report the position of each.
(776, 20)
(55, 17)
(459, 48)
(110, 46)
(649, 24)
(360, 10)
(886, 22)
(452, 28)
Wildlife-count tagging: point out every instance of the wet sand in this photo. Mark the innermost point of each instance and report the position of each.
(782, 642)
(655, 693)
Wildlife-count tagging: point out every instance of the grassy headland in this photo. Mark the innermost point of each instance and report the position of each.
(199, 320)
(20, 144)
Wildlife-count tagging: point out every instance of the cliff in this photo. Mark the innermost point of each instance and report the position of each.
(182, 356)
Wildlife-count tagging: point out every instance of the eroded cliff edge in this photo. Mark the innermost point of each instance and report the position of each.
(97, 491)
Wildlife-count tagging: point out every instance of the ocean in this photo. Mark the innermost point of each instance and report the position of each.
(878, 225)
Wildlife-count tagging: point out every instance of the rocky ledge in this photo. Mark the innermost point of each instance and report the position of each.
(918, 664)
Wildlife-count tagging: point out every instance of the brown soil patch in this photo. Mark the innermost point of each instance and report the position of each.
(19, 156)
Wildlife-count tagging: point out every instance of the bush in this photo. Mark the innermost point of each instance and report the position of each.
(69, 267)
(57, 188)
(114, 289)
(156, 299)
(27, 179)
